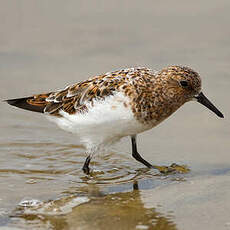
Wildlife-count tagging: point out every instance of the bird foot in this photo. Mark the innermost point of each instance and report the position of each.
(86, 170)
(172, 169)
(85, 167)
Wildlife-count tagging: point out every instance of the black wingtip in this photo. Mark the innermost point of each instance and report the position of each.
(17, 101)
(23, 104)
(12, 102)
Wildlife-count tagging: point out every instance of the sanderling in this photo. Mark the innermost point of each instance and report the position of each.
(105, 108)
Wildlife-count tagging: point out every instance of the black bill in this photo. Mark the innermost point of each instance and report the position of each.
(204, 101)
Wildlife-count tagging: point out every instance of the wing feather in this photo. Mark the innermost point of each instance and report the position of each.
(76, 97)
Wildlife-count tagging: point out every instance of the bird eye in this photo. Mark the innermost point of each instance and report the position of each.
(184, 83)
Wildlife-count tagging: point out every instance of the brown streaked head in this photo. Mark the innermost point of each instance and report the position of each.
(185, 83)
(182, 81)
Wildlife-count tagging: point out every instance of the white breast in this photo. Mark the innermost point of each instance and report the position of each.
(105, 122)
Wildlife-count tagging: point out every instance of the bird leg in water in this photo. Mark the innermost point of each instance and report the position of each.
(163, 169)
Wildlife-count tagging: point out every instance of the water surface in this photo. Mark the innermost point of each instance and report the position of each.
(48, 45)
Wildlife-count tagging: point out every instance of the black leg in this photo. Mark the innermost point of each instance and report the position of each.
(162, 169)
(136, 155)
(86, 165)
(135, 185)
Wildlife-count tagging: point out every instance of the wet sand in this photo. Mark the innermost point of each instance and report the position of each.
(48, 45)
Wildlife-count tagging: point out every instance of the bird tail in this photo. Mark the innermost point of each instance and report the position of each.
(36, 103)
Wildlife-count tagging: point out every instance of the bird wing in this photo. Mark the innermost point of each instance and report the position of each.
(73, 98)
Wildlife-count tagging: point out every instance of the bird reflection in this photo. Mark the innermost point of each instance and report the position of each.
(121, 210)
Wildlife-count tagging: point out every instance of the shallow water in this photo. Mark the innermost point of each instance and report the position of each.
(48, 45)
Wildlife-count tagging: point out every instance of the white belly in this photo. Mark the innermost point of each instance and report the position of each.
(105, 122)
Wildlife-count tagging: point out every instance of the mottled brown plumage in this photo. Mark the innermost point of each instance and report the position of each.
(153, 95)
(105, 108)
